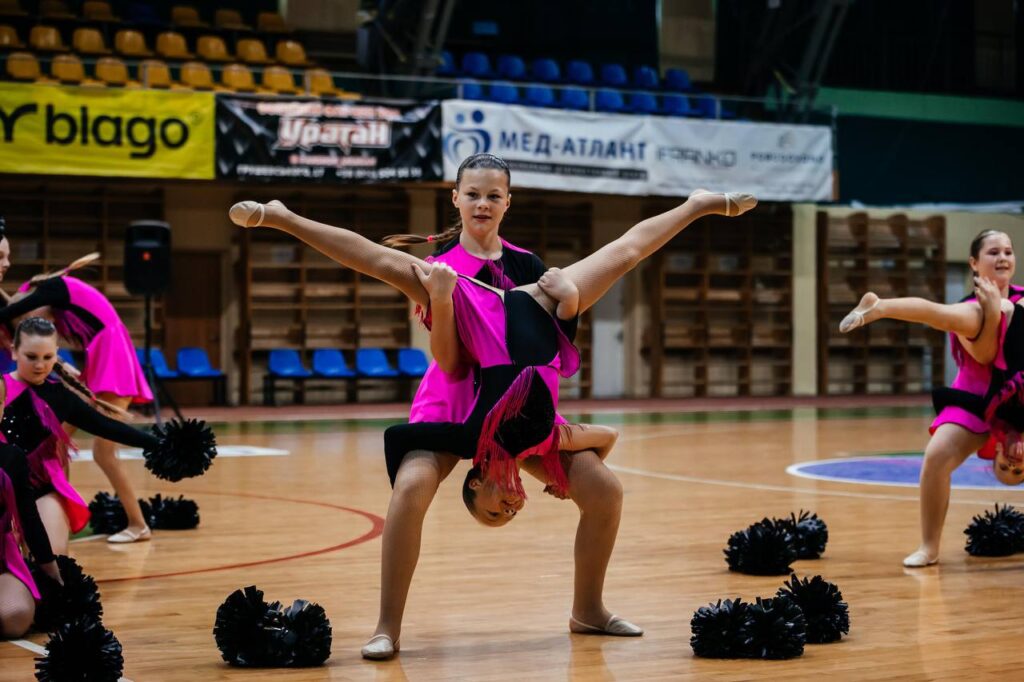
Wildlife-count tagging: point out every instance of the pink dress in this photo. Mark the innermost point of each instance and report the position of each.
(11, 559)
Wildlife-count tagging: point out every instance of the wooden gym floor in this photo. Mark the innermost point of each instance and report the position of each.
(493, 604)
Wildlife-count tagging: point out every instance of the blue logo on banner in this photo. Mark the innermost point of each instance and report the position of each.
(465, 139)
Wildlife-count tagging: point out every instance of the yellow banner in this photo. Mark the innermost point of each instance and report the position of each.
(60, 130)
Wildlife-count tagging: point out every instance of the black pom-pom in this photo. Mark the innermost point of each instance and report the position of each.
(999, 533)
(81, 650)
(827, 615)
(777, 629)
(765, 548)
(312, 630)
(186, 449)
(168, 513)
(59, 605)
(239, 628)
(106, 514)
(717, 630)
(809, 533)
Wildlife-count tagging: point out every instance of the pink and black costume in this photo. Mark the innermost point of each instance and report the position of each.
(18, 514)
(83, 315)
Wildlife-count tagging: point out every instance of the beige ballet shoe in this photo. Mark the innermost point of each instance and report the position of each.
(736, 203)
(128, 535)
(247, 213)
(380, 648)
(919, 559)
(855, 318)
(615, 627)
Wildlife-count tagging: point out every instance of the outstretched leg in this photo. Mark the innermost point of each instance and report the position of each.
(964, 319)
(340, 245)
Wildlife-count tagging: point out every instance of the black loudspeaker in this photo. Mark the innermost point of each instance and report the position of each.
(147, 257)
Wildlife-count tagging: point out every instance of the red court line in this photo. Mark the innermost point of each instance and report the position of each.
(376, 529)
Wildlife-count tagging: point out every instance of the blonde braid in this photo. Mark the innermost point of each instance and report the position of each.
(83, 391)
(399, 240)
(87, 259)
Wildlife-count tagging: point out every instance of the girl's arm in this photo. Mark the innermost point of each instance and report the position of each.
(439, 283)
(597, 437)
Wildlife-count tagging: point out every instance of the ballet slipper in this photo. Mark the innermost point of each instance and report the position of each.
(615, 627)
(243, 213)
(736, 203)
(855, 318)
(919, 559)
(129, 535)
(380, 648)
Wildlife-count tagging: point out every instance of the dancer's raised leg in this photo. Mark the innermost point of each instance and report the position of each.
(964, 319)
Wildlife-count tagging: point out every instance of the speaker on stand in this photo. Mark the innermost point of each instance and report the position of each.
(147, 272)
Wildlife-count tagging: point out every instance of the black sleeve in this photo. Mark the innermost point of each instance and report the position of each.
(13, 462)
(77, 412)
(536, 269)
(49, 292)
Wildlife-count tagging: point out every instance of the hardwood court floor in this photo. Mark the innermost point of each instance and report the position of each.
(492, 604)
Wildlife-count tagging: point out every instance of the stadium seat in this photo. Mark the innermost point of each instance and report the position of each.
(579, 72)
(230, 20)
(279, 81)
(470, 89)
(539, 96)
(23, 66)
(511, 67)
(55, 10)
(291, 53)
(645, 78)
(187, 17)
(446, 67)
(574, 98)
(477, 65)
(11, 9)
(372, 362)
(155, 74)
(197, 76)
(132, 43)
(677, 80)
(546, 71)
(614, 76)
(66, 356)
(7, 363)
(285, 362)
(609, 100)
(68, 69)
(319, 82)
(99, 11)
(676, 105)
(238, 77)
(330, 363)
(412, 362)
(171, 45)
(112, 71)
(89, 41)
(271, 22)
(46, 39)
(251, 51)
(213, 49)
(705, 106)
(9, 39)
(643, 103)
(159, 362)
(193, 362)
(504, 93)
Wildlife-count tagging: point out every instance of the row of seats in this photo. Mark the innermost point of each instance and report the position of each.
(169, 45)
(604, 100)
(477, 65)
(184, 16)
(68, 69)
(330, 364)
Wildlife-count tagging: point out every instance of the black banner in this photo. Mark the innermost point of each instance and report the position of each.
(328, 140)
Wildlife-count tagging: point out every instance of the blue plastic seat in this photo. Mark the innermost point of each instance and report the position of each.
(7, 363)
(504, 92)
(511, 67)
(539, 96)
(609, 100)
(286, 362)
(476, 64)
(329, 362)
(677, 80)
(471, 89)
(156, 357)
(614, 76)
(643, 103)
(675, 105)
(412, 362)
(371, 362)
(705, 106)
(645, 78)
(193, 362)
(574, 98)
(579, 72)
(447, 66)
(66, 356)
(546, 71)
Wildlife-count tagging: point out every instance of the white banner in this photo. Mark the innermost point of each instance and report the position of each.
(623, 154)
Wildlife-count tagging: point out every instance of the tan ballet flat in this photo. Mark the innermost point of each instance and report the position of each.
(244, 212)
(919, 560)
(128, 535)
(380, 648)
(736, 203)
(615, 627)
(855, 318)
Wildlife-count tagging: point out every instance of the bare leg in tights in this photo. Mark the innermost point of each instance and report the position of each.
(17, 607)
(51, 511)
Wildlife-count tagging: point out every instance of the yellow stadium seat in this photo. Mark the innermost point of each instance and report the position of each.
(9, 39)
(279, 80)
(98, 10)
(291, 53)
(131, 43)
(12, 9)
(155, 74)
(197, 76)
(183, 15)
(56, 10)
(230, 20)
(213, 49)
(320, 83)
(23, 66)
(46, 39)
(89, 41)
(239, 78)
(68, 69)
(171, 45)
(271, 22)
(251, 51)
(112, 71)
